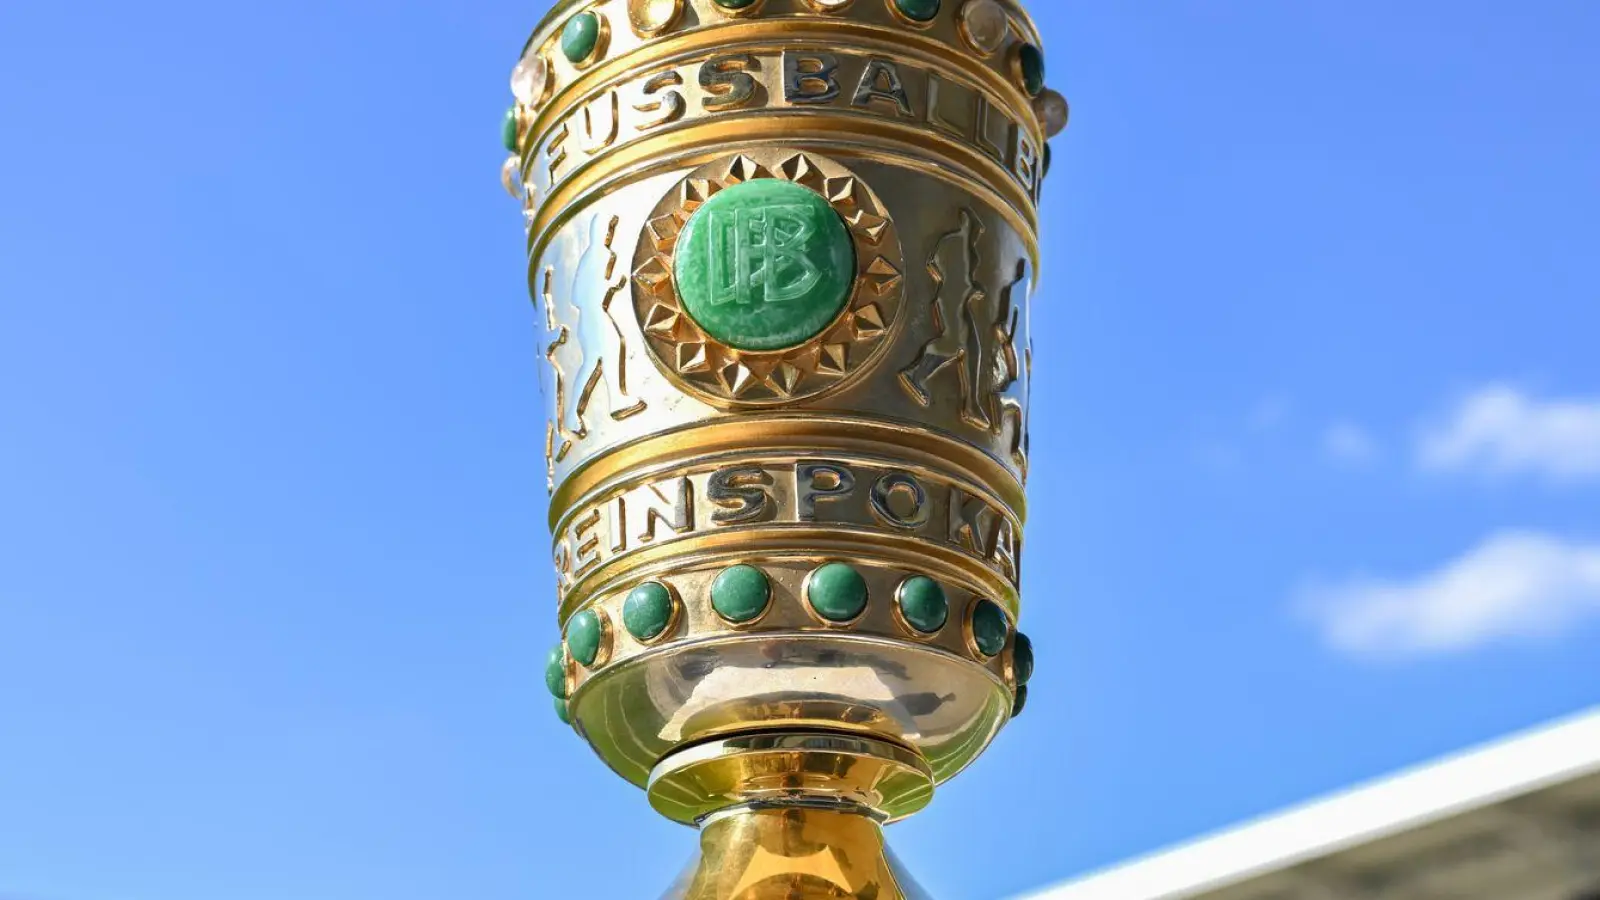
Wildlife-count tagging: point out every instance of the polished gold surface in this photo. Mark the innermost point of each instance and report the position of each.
(935, 97)
(862, 504)
(787, 670)
(959, 358)
(792, 710)
(794, 853)
(945, 707)
(820, 769)
(651, 17)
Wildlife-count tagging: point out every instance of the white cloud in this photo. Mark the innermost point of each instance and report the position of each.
(1514, 585)
(1270, 413)
(1349, 443)
(1501, 430)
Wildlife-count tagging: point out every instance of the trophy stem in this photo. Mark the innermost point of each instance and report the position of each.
(793, 816)
(794, 853)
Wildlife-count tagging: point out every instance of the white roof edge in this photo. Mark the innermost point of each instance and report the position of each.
(1562, 751)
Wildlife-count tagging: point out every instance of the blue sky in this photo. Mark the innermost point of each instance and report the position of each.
(1317, 444)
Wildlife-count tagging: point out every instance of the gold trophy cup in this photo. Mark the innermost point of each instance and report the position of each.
(782, 252)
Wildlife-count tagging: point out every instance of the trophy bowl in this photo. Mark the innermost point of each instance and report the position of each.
(782, 253)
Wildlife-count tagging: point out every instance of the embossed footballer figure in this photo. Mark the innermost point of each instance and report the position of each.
(605, 355)
(783, 252)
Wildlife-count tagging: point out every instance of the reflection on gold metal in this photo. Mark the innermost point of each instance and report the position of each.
(793, 852)
(825, 769)
(651, 17)
(738, 521)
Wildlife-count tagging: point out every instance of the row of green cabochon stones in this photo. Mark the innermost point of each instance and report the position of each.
(581, 35)
(742, 593)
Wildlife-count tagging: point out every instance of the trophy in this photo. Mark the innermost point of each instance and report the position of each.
(782, 253)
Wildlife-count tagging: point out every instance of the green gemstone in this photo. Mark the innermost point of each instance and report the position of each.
(648, 610)
(837, 592)
(1020, 701)
(765, 264)
(508, 130)
(918, 10)
(735, 4)
(741, 593)
(562, 712)
(1046, 170)
(1032, 60)
(583, 637)
(923, 604)
(1022, 658)
(989, 627)
(579, 37)
(555, 673)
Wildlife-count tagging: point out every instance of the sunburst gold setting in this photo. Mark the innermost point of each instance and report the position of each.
(726, 376)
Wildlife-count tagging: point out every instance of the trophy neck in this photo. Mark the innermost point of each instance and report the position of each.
(860, 776)
(794, 853)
